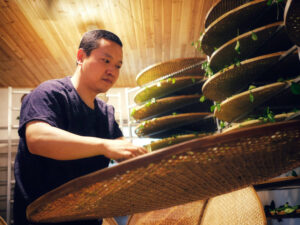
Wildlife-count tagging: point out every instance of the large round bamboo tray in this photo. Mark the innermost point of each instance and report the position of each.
(186, 214)
(221, 7)
(277, 96)
(184, 123)
(194, 170)
(242, 19)
(270, 39)
(169, 105)
(268, 68)
(181, 66)
(292, 20)
(177, 86)
(235, 208)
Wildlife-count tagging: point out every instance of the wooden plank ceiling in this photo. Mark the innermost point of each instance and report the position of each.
(39, 38)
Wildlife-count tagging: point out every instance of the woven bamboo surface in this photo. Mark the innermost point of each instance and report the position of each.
(270, 39)
(277, 96)
(221, 7)
(240, 20)
(238, 104)
(165, 142)
(177, 86)
(167, 126)
(109, 221)
(156, 71)
(190, 171)
(235, 208)
(268, 68)
(292, 20)
(256, 122)
(186, 214)
(169, 105)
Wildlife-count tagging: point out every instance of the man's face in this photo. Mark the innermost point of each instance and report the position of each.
(101, 68)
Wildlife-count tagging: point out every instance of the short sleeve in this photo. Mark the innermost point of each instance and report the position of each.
(117, 131)
(114, 129)
(41, 104)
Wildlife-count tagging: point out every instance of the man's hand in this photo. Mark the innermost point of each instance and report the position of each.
(120, 149)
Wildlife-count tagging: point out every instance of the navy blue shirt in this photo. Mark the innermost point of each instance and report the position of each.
(58, 103)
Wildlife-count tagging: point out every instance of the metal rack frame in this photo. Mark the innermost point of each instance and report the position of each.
(10, 126)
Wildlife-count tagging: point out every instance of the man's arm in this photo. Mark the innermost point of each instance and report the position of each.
(51, 142)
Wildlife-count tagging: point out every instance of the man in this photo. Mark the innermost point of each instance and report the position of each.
(65, 131)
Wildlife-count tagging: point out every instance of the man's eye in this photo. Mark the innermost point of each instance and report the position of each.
(106, 60)
(118, 67)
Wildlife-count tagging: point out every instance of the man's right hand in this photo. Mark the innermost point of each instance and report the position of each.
(120, 149)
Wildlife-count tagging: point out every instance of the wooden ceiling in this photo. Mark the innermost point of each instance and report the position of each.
(39, 38)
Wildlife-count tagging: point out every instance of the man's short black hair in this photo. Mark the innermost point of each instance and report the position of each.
(90, 38)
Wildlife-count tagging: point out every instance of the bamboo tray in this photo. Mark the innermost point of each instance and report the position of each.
(194, 170)
(221, 7)
(292, 20)
(270, 39)
(165, 142)
(239, 20)
(170, 125)
(169, 105)
(266, 68)
(181, 66)
(182, 85)
(257, 122)
(277, 96)
(235, 208)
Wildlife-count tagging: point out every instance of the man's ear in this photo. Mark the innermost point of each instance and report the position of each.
(80, 56)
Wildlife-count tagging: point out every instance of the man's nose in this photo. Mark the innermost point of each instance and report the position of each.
(112, 71)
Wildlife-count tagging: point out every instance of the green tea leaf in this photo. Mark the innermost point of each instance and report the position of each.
(237, 47)
(222, 124)
(251, 97)
(251, 87)
(237, 62)
(218, 107)
(133, 112)
(295, 88)
(212, 108)
(202, 99)
(254, 36)
(208, 71)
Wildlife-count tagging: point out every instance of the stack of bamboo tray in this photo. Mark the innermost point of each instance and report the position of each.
(255, 37)
(169, 103)
(255, 64)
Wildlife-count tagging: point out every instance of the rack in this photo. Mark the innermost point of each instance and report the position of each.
(281, 183)
(10, 126)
